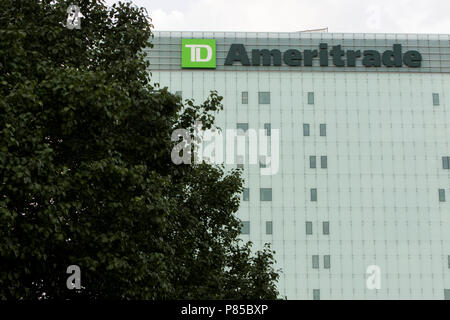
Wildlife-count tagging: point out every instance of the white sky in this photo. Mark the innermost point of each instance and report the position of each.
(390, 16)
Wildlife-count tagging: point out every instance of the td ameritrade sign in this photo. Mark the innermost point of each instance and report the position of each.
(200, 53)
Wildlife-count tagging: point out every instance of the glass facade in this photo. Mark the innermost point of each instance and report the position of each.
(386, 136)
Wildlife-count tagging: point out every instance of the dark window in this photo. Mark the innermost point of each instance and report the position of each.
(262, 162)
(316, 294)
(435, 99)
(264, 97)
(244, 97)
(326, 228)
(240, 162)
(309, 228)
(306, 130)
(268, 129)
(310, 97)
(324, 162)
(314, 195)
(446, 294)
(242, 126)
(315, 262)
(266, 194)
(446, 162)
(327, 262)
(312, 162)
(245, 227)
(246, 196)
(441, 195)
(323, 130)
(269, 227)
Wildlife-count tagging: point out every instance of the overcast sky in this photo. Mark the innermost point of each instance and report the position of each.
(390, 16)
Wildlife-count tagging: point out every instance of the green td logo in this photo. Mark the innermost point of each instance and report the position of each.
(198, 53)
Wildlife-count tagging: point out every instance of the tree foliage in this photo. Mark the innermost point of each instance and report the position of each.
(86, 174)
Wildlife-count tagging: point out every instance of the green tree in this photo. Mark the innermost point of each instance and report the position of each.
(86, 174)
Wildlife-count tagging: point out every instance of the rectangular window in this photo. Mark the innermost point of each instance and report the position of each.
(446, 162)
(246, 196)
(306, 130)
(441, 195)
(323, 130)
(324, 162)
(240, 162)
(313, 195)
(312, 162)
(264, 97)
(315, 262)
(310, 97)
(435, 99)
(245, 227)
(316, 294)
(268, 129)
(269, 226)
(326, 227)
(179, 94)
(448, 258)
(244, 97)
(309, 228)
(262, 162)
(446, 294)
(266, 194)
(242, 126)
(327, 262)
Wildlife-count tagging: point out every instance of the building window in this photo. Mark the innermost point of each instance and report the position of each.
(310, 97)
(240, 162)
(448, 258)
(309, 228)
(268, 129)
(315, 262)
(244, 97)
(316, 294)
(179, 94)
(264, 97)
(269, 226)
(446, 162)
(313, 195)
(435, 99)
(327, 262)
(323, 130)
(326, 227)
(446, 294)
(266, 194)
(312, 162)
(324, 162)
(246, 196)
(245, 227)
(306, 130)
(262, 162)
(242, 126)
(441, 195)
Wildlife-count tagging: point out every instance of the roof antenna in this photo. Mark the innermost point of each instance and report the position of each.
(316, 30)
